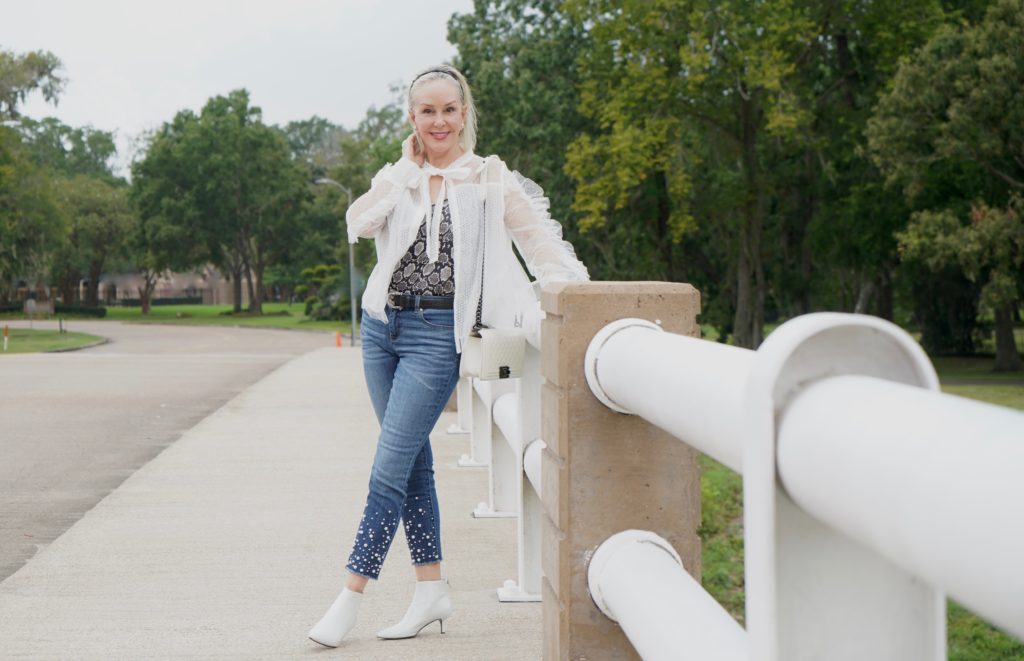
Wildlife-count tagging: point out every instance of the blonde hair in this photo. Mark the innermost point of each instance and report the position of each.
(467, 139)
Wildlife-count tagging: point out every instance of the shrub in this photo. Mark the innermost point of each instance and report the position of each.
(325, 290)
(181, 300)
(81, 310)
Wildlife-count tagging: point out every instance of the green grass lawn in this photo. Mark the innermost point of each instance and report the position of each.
(970, 638)
(275, 315)
(1011, 396)
(24, 340)
(974, 368)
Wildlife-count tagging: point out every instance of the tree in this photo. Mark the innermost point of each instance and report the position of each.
(520, 58)
(316, 146)
(250, 190)
(157, 246)
(93, 202)
(99, 219)
(30, 221)
(20, 75)
(989, 249)
(229, 180)
(958, 104)
(314, 143)
(834, 218)
(164, 236)
(377, 140)
(673, 86)
(68, 150)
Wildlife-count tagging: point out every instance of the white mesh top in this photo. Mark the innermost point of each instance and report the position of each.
(516, 211)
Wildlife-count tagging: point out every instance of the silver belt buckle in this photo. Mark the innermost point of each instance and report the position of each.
(391, 301)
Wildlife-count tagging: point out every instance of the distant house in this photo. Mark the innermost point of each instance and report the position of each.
(207, 284)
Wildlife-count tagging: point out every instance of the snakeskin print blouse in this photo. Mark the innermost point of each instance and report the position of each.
(416, 274)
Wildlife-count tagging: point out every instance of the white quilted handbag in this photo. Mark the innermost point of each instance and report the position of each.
(495, 354)
(491, 353)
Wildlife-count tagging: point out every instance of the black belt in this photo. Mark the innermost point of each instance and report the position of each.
(416, 301)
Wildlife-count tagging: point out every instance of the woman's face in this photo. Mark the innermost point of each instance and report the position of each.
(437, 117)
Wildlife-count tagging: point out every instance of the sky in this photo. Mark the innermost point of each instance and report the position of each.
(131, 65)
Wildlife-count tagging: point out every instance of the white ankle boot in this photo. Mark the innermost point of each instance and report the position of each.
(339, 619)
(431, 602)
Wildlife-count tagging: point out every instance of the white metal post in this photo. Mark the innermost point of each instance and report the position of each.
(502, 469)
(463, 399)
(811, 591)
(527, 585)
(482, 396)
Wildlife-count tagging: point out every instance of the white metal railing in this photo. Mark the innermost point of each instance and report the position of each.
(867, 493)
(504, 423)
(637, 579)
(463, 393)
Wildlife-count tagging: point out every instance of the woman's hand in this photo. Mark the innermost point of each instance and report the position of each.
(411, 150)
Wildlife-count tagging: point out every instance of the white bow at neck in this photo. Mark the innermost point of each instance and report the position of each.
(457, 170)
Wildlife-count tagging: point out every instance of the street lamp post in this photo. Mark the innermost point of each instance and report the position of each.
(351, 257)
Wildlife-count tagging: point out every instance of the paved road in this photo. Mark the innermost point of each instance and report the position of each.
(74, 425)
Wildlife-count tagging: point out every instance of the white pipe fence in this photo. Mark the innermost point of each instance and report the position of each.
(463, 394)
(664, 378)
(505, 437)
(866, 493)
(482, 395)
(637, 579)
(945, 488)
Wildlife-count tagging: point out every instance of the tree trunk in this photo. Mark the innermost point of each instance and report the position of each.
(146, 291)
(760, 286)
(256, 289)
(864, 297)
(808, 204)
(232, 265)
(255, 265)
(665, 235)
(883, 301)
(92, 292)
(750, 282)
(744, 304)
(1007, 357)
(236, 290)
(254, 297)
(749, 320)
(69, 290)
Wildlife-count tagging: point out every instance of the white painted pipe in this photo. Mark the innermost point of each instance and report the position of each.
(531, 462)
(933, 482)
(691, 388)
(506, 417)
(637, 579)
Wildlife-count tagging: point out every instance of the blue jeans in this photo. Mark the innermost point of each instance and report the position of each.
(411, 368)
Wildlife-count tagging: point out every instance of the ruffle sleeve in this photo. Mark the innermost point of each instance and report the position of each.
(537, 235)
(370, 211)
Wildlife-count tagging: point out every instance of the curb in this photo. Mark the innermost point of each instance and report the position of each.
(281, 328)
(104, 340)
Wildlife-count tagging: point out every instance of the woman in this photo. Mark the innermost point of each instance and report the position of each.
(442, 219)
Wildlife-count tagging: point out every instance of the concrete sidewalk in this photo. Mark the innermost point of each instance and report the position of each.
(232, 542)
